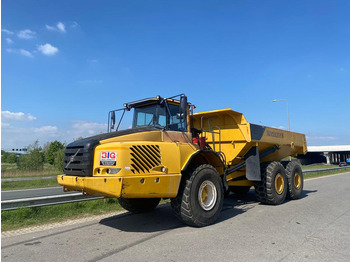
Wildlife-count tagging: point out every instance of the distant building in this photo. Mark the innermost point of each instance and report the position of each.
(326, 154)
(18, 151)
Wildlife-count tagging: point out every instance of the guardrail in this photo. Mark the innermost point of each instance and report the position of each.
(77, 197)
(45, 201)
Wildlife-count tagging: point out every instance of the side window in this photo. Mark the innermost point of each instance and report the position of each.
(162, 120)
(175, 123)
(144, 119)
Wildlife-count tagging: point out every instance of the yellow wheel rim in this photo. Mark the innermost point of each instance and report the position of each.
(297, 180)
(279, 183)
(204, 195)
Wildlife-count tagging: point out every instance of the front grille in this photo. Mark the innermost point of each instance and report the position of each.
(144, 158)
(78, 159)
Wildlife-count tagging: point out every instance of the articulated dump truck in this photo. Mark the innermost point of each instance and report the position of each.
(193, 159)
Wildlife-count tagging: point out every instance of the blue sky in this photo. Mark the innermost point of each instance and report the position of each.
(65, 64)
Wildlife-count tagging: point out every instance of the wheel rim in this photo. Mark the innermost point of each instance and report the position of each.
(297, 180)
(207, 195)
(279, 183)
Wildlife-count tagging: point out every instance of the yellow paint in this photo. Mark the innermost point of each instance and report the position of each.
(279, 183)
(127, 187)
(297, 180)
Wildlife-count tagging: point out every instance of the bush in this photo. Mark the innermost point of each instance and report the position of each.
(33, 161)
(7, 157)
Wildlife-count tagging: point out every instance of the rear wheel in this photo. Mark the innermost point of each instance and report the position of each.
(295, 180)
(139, 205)
(200, 198)
(272, 189)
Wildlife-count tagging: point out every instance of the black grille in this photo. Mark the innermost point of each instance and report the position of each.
(79, 156)
(144, 158)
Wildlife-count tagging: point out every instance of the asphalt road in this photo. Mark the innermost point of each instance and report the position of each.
(313, 228)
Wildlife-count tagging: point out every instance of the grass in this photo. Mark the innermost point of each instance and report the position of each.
(326, 173)
(25, 217)
(318, 166)
(10, 171)
(29, 184)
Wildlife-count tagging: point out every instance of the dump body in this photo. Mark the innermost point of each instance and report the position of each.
(235, 137)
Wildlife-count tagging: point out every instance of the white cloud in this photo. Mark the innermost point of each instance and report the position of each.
(26, 34)
(22, 52)
(60, 27)
(7, 31)
(9, 40)
(51, 28)
(25, 53)
(17, 133)
(20, 116)
(5, 124)
(48, 49)
(84, 128)
(46, 129)
(13, 136)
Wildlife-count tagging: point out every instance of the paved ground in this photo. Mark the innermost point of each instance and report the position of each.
(314, 228)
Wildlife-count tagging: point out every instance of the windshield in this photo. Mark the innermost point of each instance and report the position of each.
(158, 116)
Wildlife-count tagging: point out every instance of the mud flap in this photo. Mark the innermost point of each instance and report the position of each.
(252, 160)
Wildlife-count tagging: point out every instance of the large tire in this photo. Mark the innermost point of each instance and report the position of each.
(200, 197)
(139, 205)
(272, 189)
(295, 180)
(240, 190)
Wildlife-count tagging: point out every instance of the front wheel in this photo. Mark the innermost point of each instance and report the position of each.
(200, 198)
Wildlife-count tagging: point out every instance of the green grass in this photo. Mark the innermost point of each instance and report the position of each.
(326, 173)
(10, 170)
(25, 217)
(319, 166)
(29, 184)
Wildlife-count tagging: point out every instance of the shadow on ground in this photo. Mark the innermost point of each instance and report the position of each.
(163, 218)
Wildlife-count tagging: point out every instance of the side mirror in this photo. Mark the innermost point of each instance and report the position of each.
(183, 105)
(183, 108)
(112, 120)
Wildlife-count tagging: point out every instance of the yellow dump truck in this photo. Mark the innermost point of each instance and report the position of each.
(193, 159)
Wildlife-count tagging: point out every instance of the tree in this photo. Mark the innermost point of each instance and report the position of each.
(34, 160)
(53, 148)
(59, 158)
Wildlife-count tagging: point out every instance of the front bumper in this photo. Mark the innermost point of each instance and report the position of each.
(164, 186)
